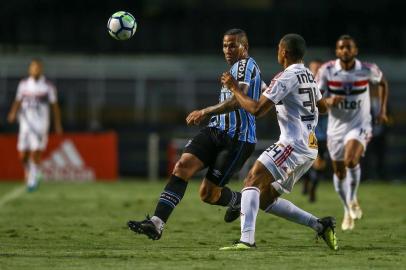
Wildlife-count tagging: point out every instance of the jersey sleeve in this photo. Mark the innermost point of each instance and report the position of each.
(19, 95)
(318, 94)
(52, 93)
(244, 71)
(280, 87)
(375, 75)
(321, 79)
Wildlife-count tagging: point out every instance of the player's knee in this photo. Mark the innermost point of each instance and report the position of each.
(253, 180)
(208, 195)
(351, 162)
(181, 170)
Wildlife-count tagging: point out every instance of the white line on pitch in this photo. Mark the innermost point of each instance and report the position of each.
(14, 194)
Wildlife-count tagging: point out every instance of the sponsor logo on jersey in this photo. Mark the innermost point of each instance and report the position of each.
(242, 64)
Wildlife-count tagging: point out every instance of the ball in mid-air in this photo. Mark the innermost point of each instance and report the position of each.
(122, 25)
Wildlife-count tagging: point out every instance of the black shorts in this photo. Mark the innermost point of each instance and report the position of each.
(222, 154)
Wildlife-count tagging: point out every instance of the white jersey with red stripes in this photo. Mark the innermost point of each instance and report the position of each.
(35, 97)
(353, 84)
(295, 93)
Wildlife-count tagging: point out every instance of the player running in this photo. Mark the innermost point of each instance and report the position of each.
(297, 99)
(34, 95)
(349, 122)
(222, 147)
(312, 177)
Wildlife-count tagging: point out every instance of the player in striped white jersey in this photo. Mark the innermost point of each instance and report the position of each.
(297, 99)
(34, 96)
(349, 122)
(223, 146)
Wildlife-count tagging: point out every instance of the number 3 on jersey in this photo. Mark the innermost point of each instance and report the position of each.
(312, 100)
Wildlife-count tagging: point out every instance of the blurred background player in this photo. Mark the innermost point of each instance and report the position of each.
(34, 95)
(222, 147)
(349, 123)
(316, 172)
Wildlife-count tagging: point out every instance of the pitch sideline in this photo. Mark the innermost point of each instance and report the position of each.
(12, 195)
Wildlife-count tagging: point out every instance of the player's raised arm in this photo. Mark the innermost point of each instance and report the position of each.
(256, 108)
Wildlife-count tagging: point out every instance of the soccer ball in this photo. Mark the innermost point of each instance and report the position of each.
(122, 25)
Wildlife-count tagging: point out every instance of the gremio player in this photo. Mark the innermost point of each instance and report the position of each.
(297, 99)
(222, 147)
(349, 122)
(34, 96)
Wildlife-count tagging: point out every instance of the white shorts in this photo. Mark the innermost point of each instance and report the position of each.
(286, 165)
(336, 144)
(32, 141)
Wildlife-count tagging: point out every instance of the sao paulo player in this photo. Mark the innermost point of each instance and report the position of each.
(349, 122)
(34, 95)
(297, 99)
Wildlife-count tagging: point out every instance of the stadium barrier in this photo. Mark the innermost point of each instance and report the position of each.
(72, 157)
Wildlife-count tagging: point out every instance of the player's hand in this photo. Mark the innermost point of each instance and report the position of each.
(228, 80)
(382, 118)
(11, 117)
(333, 101)
(195, 117)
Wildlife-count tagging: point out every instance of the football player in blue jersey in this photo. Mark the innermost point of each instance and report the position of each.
(222, 146)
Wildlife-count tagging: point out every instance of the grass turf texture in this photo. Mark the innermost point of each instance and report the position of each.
(83, 226)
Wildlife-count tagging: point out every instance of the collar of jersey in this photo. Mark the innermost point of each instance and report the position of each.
(338, 67)
(293, 66)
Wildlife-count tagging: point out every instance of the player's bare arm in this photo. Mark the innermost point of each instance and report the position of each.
(228, 105)
(258, 109)
(383, 99)
(12, 115)
(57, 118)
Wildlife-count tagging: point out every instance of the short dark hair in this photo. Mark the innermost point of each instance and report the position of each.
(347, 37)
(242, 35)
(295, 45)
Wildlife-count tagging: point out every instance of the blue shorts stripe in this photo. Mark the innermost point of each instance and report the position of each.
(232, 164)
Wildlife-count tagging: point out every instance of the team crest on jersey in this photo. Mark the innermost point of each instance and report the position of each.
(347, 86)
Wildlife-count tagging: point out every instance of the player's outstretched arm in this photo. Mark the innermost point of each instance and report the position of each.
(12, 115)
(228, 105)
(259, 108)
(57, 118)
(383, 98)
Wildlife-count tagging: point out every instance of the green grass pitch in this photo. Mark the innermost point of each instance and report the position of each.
(83, 226)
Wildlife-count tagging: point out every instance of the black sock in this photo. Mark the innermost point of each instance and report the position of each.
(229, 198)
(170, 197)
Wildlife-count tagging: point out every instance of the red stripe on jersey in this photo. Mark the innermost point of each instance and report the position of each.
(361, 83)
(334, 83)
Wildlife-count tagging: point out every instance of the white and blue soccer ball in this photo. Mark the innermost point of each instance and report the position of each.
(122, 25)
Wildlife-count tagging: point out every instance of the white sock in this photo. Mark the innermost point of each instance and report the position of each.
(353, 179)
(341, 187)
(249, 212)
(32, 176)
(286, 209)
(159, 224)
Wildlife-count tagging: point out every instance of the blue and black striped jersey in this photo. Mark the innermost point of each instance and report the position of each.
(240, 123)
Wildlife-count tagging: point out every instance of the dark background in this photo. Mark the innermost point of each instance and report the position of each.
(192, 26)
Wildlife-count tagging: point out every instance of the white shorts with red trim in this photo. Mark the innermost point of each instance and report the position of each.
(336, 144)
(286, 165)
